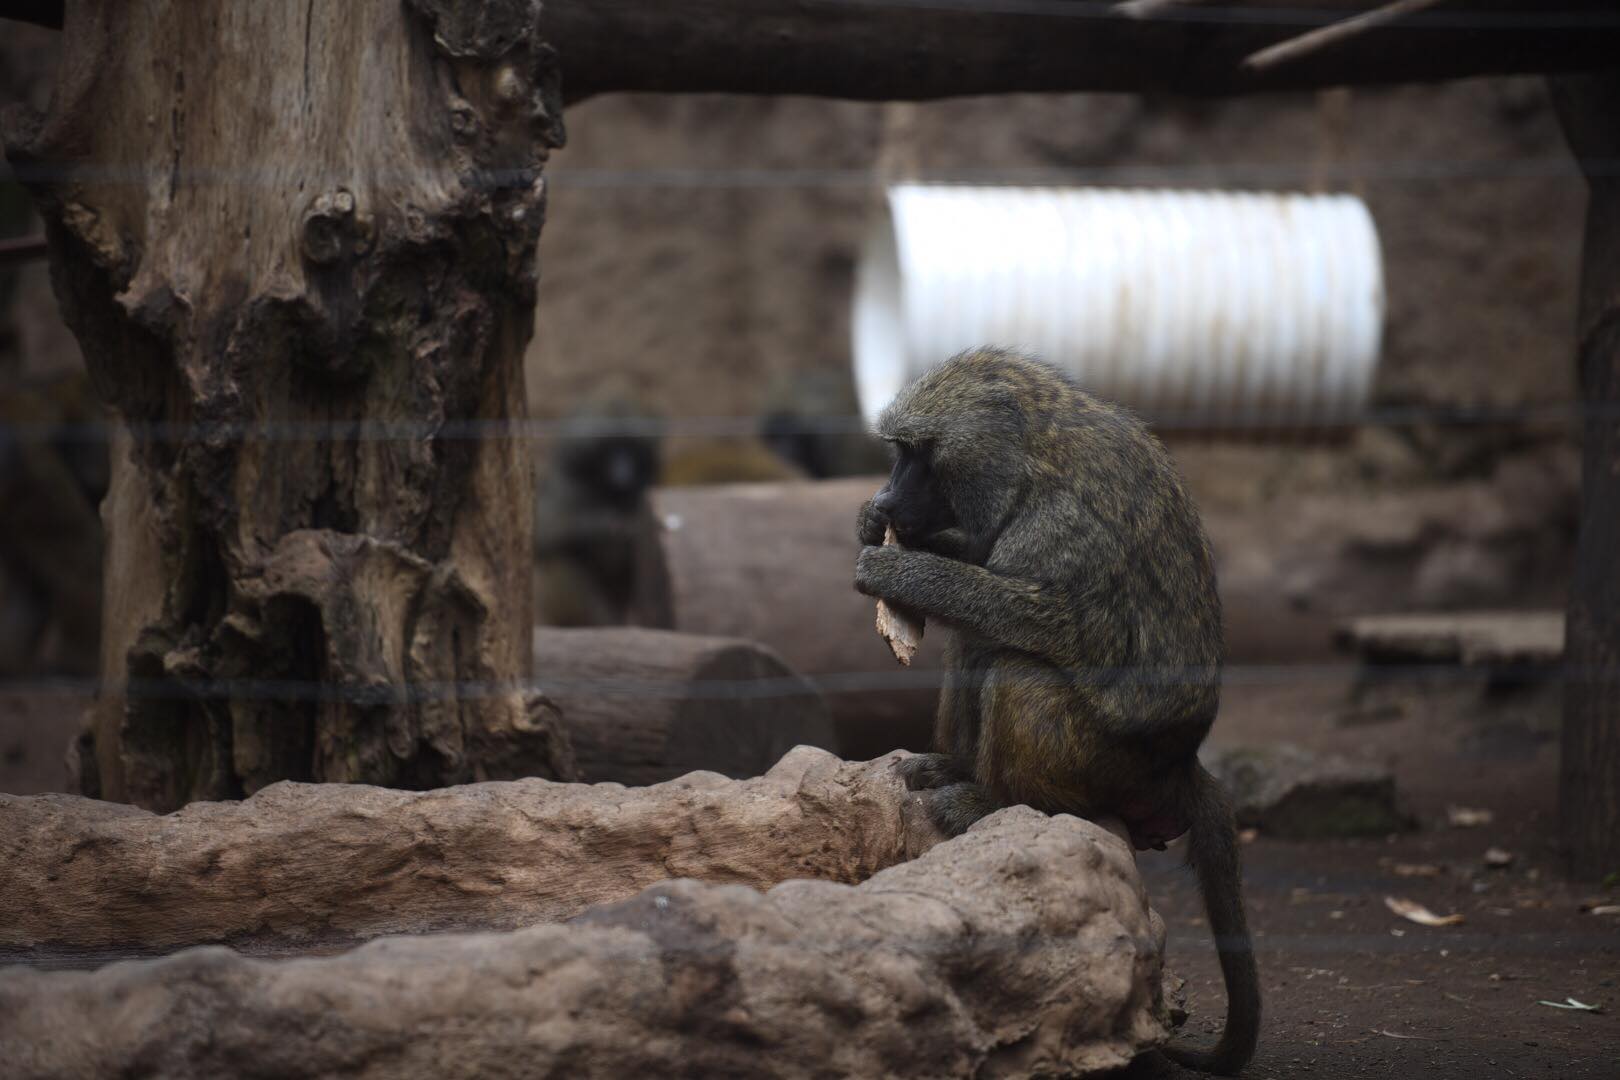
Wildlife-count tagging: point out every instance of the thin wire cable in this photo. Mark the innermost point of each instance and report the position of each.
(271, 431)
(563, 176)
(775, 687)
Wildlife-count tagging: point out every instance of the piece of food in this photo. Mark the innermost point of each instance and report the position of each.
(903, 635)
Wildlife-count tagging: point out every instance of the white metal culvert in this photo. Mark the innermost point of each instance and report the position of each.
(1202, 309)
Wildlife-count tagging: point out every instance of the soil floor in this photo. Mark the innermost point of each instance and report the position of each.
(1350, 989)
(1353, 990)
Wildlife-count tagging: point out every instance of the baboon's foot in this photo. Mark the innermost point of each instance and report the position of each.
(923, 772)
(956, 806)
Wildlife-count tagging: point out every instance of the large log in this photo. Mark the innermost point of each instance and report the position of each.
(775, 563)
(296, 243)
(302, 865)
(1589, 782)
(644, 706)
(942, 48)
(1023, 948)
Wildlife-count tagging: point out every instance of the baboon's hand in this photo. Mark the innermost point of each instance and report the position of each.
(870, 525)
(877, 569)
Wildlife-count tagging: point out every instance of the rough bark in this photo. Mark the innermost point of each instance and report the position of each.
(301, 865)
(917, 51)
(296, 243)
(711, 561)
(1589, 783)
(1023, 948)
(644, 706)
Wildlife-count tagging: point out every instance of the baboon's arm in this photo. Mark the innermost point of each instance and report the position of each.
(1071, 632)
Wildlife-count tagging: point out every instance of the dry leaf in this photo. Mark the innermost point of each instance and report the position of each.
(1467, 817)
(1416, 912)
(1406, 869)
(1498, 859)
(1572, 1004)
(903, 635)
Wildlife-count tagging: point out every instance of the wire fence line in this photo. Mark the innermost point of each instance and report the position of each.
(564, 176)
(1213, 174)
(774, 687)
(362, 430)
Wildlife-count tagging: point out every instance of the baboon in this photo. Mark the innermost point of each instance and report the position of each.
(1050, 533)
(809, 420)
(586, 502)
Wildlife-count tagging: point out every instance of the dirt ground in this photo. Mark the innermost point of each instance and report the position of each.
(1352, 990)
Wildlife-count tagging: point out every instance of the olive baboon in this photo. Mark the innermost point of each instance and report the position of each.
(1049, 531)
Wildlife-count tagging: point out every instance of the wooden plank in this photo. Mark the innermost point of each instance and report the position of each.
(1470, 638)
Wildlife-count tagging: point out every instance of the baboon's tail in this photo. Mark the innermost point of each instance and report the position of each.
(1213, 855)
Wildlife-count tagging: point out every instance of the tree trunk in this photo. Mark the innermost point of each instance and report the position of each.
(1589, 782)
(296, 243)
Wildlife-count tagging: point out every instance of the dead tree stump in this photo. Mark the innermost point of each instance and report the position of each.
(297, 246)
(644, 706)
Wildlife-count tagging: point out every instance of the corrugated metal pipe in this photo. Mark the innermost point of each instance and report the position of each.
(1198, 309)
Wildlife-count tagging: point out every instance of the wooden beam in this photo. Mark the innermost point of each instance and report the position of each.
(19, 249)
(916, 50)
(924, 49)
(40, 12)
(1589, 780)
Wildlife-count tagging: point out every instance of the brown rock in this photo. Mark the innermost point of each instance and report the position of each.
(1287, 791)
(302, 864)
(1024, 947)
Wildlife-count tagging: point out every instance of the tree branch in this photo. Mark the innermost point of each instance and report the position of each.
(1287, 52)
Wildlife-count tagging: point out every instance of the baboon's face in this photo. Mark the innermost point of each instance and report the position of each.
(615, 469)
(912, 499)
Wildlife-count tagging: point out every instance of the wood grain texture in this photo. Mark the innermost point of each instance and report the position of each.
(296, 243)
(644, 706)
(775, 563)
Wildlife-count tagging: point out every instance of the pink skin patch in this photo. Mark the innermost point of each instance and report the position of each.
(1152, 827)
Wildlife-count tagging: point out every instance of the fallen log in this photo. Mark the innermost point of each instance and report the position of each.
(643, 706)
(775, 563)
(1024, 947)
(307, 865)
(1528, 639)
